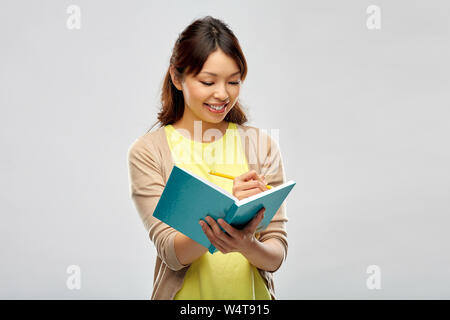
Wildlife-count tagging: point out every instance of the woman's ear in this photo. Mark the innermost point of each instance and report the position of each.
(174, 79)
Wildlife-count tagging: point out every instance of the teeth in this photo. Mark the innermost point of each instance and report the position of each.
(216, 107)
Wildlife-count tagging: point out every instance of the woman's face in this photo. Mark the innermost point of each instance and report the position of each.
(217, 83)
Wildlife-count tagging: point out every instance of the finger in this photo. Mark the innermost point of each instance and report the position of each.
(214, 226)
(251, 184)
(249, 193)
(248, 175)
(256, 220)
(220, 248)
(260, 177)
(216, 241)
(218, 234)
(228, 228)
(262, 186)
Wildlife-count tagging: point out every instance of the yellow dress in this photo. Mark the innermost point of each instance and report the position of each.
(216, 276)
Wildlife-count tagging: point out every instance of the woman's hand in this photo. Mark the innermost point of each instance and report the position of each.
(234, 240)
(248, 184)
(237, 240)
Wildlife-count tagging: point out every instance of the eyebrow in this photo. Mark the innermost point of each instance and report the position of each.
(213, 74)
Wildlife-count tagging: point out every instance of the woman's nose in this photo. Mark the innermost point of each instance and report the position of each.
(221, 93)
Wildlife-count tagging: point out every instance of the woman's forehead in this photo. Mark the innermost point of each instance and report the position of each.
(219, 64)
(217, 75)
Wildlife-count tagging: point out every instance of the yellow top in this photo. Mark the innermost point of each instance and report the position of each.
(216, 276)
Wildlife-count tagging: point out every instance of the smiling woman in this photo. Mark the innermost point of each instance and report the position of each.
(201, 93)
(206, 70)
(210, 94)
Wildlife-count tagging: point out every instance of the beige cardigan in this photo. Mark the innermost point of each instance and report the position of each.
(150, 164)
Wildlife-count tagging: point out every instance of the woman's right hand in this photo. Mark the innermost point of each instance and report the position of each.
(248, 184)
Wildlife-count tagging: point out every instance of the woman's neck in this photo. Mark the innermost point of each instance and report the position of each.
(197, 129)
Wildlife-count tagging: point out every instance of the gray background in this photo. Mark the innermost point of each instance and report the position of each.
(363, 118)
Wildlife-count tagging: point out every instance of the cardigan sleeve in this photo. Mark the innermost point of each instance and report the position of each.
(273, 170)
(147, 185)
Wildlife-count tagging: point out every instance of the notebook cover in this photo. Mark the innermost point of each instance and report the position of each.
(242, 212)
(188, 198)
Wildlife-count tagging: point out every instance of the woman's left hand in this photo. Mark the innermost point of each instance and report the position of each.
(236, 240)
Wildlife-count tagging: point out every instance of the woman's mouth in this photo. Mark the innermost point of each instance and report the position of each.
(216, 108)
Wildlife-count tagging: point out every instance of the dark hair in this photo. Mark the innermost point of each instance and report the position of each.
(191, 50)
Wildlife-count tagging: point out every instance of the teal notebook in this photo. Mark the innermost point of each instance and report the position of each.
(188, 198)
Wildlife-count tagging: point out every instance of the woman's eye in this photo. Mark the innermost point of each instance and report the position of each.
(211, 83)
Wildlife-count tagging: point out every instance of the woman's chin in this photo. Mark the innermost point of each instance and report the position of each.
(214, 118)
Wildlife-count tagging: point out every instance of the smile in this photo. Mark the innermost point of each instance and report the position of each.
(216, 109)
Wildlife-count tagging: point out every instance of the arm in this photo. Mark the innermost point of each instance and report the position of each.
(267, 255)
(275, 235)
(187, 250)
(147, 185)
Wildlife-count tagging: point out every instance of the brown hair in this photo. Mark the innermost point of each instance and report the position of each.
(191, 50)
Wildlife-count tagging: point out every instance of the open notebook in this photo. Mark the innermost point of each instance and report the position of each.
(188, 198)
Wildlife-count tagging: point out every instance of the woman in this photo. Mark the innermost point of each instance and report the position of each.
(201, 115)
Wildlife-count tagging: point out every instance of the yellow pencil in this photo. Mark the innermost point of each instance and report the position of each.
(223, 175)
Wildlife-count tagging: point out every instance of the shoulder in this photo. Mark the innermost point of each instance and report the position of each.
(147, 144)
(259, 136)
